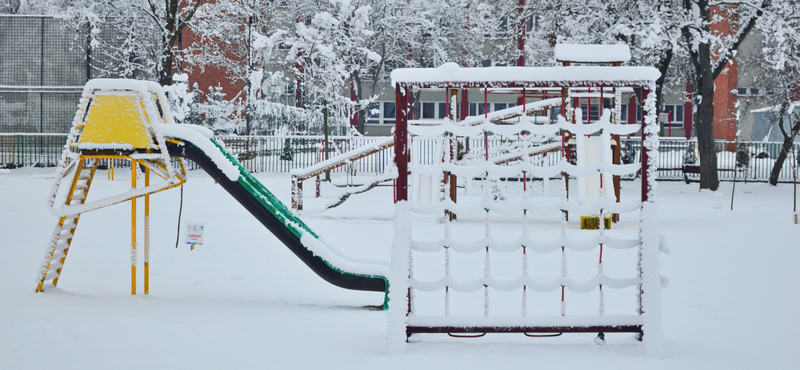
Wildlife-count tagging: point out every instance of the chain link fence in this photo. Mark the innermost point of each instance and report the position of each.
(44, 64)
(41, 75)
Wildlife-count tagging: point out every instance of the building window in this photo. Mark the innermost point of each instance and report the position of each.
(594, 113)
(623, 116)
(381, 113)
(742, 91)
(388, 112)
(428, 110)
(374, 113)
(484, 108)
(676, 115)
(753, 91)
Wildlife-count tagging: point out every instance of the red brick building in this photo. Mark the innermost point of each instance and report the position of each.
(725, 96)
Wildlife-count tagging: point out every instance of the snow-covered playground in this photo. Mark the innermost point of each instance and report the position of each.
(243, 300)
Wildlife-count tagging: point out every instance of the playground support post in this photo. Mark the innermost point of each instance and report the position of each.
(401, 141)
(146, 232)
(133, 229)
(794, 174)
(645, 154)
(452, 96)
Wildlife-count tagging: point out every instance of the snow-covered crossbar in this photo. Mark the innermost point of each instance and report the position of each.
(519, 262)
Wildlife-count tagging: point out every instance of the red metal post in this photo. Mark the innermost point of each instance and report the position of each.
(401, 97)
(521, 35)
(485, 102)
(670, 124)
(464, 104)
(521, 43)
(645, 155)
(447, 103)
(632, 109)
(602, 90)
(563, 112)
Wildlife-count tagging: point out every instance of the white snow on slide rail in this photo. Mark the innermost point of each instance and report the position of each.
(200, 139)
(337, 260)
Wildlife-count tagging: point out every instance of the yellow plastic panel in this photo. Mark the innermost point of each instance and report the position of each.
(116, 119)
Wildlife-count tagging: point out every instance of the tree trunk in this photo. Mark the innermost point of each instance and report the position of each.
(663, 67)
(362, 116)
(165, 75)
(709, 178)
(788, 141)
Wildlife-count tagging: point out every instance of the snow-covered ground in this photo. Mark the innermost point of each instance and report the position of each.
(243, 300)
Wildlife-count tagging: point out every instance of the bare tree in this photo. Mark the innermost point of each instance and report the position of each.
(171, 17)
(709, 53)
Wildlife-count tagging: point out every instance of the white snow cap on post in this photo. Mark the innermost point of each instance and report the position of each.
(581, 53)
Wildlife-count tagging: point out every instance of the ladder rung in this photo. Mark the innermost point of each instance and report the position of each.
(55, 264)
(65, 234)
(58, 255)
(79, 195)
(69, 224)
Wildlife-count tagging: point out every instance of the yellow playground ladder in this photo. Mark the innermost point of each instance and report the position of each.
(65, 228)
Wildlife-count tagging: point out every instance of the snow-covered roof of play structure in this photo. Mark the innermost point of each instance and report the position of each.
(592, 53)
(140, 86)
(451, 75)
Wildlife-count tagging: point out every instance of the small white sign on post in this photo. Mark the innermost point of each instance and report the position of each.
(663, 117)
(194, 235)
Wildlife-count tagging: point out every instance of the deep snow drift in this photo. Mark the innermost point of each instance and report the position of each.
(243, 300)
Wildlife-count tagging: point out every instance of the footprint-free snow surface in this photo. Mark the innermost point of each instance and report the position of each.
(243, 300)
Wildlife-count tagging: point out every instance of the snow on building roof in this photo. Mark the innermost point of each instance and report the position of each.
(592, 53)
(451, 75)
(776, 108)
